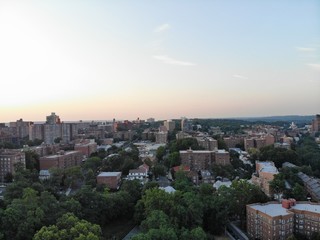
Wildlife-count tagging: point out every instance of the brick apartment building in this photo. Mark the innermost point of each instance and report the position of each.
(316, 124)
(204, 159)
(273, 220)
(265, 172)
(125, 135)
(233, 142)
(258, 142)
(207, 143)
(61, 160)
(270, 139)
(248, 143)
(86, 147)
(8, 158)
(148, 134)
(111, 179)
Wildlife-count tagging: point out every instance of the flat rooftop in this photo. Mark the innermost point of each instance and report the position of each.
(267, 167)
(276, 209)
(308, 207)
(58, 155)
(271, 209)
(196, 151)
(109, 174)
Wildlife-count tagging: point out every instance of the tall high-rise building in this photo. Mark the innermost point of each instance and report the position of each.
(51, 132)
(53, 119)
(316, 124)
(186, 125)
(53, 129)
(21, 128)
(67, 132)
(170, 125)
(36, 131)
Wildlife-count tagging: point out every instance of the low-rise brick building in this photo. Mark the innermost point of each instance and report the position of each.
(111, 179)
(61, 160)
(86, 147)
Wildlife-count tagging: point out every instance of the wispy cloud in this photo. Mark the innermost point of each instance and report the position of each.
(239, 76)
(162, 28)
(305, 49)
(315, 66)
(169, 60)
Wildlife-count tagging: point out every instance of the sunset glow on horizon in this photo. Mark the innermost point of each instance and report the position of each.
(99, 60)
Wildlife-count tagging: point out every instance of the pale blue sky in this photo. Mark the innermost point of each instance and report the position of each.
(162, 59)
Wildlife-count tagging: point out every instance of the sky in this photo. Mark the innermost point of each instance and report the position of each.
(96, 60)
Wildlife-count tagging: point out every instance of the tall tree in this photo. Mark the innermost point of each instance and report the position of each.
(23, 216)
(70, 227)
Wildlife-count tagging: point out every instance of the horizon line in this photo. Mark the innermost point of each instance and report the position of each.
(107, 120)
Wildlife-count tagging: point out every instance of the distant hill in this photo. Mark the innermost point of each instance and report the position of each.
(289, 118)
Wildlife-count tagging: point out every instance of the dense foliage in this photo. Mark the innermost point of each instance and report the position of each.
(197, 211)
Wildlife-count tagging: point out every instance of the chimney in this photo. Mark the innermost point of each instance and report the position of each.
(286, 203)
(292, 202)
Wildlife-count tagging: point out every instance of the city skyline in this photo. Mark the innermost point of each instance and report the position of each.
(100, 60)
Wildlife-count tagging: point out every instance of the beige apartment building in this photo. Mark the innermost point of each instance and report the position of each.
(273, 220)
(265, 172)
(170, 125)
(161, 137)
